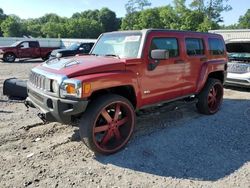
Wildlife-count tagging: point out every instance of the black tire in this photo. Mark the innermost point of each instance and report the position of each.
(15, 89)
(9, 57)
(46, 57)
(93, 119)
(211, 97)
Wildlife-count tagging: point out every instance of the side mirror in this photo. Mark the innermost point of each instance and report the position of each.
(156, 56)
(21, 46)
(58, 55)
(159, 54)
(81, 49)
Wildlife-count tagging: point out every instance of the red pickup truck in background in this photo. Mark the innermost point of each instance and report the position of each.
(24, 49)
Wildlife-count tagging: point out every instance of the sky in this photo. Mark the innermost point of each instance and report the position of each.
(37, 8)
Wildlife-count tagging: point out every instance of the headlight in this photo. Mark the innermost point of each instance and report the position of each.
(71, 88)
(54, 86)
(1, 51)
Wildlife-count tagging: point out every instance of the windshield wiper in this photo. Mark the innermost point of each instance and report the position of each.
(112, 55)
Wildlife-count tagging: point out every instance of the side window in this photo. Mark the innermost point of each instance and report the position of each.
(194, 46)
(216, 46)
(86, 47)
(170, 44)
(33, 44)
(24, 45)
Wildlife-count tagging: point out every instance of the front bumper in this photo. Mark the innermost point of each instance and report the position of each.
(235, 79)
(55, 109)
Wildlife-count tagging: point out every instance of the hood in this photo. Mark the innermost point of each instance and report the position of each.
(6, 47)
(82, 65)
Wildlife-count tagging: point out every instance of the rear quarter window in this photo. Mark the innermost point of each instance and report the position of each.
(33, 45)
(216, 46)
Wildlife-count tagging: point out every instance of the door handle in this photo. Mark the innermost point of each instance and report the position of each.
(179, 62)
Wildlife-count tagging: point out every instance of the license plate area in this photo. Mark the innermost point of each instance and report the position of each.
(238, 68)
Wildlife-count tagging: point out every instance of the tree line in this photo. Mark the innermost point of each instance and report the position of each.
(200, 15)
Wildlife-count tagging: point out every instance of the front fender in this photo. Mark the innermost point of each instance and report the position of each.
(107, 80)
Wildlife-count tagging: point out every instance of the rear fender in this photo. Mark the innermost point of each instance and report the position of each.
(206, 69)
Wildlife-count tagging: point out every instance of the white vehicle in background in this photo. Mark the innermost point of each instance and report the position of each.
(238, 48)
(239, 62)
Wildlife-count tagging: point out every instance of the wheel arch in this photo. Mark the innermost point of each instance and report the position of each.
(127, 91)
(217, 75)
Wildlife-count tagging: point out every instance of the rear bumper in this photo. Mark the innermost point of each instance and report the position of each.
(55, 109)
(242, 80)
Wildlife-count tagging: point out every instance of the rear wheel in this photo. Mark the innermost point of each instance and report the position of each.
(211, 97)
(107, 124)
(9, 57)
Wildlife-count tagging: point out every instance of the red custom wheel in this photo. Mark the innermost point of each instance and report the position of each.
(210, 98)
(108, 124)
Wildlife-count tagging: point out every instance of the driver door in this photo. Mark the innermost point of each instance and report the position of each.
(24, 51)
(165, 81)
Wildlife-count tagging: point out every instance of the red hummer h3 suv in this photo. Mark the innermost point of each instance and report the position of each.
(124, 72)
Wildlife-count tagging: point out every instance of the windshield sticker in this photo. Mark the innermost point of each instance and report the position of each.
(134, 38)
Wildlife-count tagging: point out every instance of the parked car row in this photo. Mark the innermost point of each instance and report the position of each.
(31, 49)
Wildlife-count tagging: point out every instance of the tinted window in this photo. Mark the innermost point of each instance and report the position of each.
(169, 44)
(194, 46)
(216, 46)
(86, 47)
(238, 47)
(33, 44)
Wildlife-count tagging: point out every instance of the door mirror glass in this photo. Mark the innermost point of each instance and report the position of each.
(159, 54)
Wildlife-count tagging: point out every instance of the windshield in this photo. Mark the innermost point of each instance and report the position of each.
(15, 44)
(74, 46)
(123, 45)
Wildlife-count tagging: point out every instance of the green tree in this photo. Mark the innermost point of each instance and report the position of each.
(53, 30)
(136, 5)
(2, 18)
(108, 20)
(211, 8)
(244, 21)
(12, 27)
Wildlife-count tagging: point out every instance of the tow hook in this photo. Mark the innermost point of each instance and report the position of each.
(42, 117)
(27, 105)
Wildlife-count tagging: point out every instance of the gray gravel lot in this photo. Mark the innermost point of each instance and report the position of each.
(173, 146)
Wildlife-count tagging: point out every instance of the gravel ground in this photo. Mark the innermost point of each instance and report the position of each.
(173, 146)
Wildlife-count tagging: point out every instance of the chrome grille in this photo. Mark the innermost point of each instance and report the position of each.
(39, 81)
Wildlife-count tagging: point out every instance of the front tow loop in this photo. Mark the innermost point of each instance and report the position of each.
(42, 117)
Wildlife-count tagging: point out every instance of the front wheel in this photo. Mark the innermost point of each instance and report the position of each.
(211, 97)
(9, 57)
(107, 124)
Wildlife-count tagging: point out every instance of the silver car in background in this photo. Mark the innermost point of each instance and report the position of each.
(239, 62)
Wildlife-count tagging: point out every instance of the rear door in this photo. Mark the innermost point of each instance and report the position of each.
(195, 56)
(34, 49)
